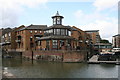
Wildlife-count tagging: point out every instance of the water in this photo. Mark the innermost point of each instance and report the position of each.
(44, 69)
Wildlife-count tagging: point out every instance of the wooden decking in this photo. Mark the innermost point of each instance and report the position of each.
(94, 60)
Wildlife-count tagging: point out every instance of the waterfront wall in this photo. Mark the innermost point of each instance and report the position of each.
(14, 54)
(62, 56)
(74, 56)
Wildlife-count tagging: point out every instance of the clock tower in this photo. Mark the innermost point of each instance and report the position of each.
(57, 19)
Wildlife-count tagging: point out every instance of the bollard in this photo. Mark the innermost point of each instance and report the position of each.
(5, 70)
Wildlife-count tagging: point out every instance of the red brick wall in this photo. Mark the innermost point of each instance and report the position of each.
(74, 56)
(67, 56)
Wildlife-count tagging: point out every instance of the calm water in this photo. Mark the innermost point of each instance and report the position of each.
(42, 69)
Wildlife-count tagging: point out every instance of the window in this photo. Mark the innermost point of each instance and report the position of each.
(54, 21)
(66, 32)
(35, 31)
(5, 35)
(2, 36)
(51, 32)
(62, 31)
(9, 34)
(68, 42)
(31, 38)
(55, 31)
(55, 43)
(69, 33)
(58, 31)
(58, 20)
(30, 31)
(40, 31)
(61, 43)
(39, 43)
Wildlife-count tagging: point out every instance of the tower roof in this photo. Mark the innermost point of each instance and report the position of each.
(57, 15)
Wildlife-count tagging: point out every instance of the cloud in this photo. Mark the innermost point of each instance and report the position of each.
(108, 25)
(105, 4)
(107, 28)
(85, 18)
(98, 20)
(11, 10)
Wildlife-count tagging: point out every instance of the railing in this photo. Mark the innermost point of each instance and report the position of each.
(20, 49)
(18, 40)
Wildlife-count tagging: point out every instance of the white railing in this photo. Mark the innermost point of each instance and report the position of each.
(18, 40)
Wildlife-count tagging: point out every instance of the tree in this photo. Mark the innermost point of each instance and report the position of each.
(104, 41)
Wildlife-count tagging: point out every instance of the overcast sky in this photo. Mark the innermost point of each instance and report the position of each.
(85, 14)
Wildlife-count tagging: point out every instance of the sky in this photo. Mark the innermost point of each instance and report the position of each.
(99, 15)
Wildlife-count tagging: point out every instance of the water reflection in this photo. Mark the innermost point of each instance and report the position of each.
(44, 69)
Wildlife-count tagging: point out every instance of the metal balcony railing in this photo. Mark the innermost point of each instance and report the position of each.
(18, 41)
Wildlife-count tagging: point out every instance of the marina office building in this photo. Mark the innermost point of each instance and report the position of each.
(41, 37)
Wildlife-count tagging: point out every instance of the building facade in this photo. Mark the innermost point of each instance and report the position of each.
(60, 37)
(8, 38)
(116, 41)
(103, 47)
(94, 36)
(41, 37)
(26, 37)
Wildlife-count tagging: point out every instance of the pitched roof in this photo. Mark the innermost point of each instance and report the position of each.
(57, 15)
(6, 30)
(34, 27)
(91, 30)
(116, 35)
(60, 27)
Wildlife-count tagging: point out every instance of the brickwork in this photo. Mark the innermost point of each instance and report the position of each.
(74, 56)
(116, 41)
(64, 56)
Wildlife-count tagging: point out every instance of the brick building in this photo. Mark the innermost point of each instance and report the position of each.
(54, 42)
(41, 37)
(103, 47)
(8, 38)
(60, 37)
(116, 41)
(26, 37)
(94, 36)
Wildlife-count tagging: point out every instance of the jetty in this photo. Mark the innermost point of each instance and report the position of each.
(94, 60)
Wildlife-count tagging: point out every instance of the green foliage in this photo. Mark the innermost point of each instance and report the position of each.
(104, 41)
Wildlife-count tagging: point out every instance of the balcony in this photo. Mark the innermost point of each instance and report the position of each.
(5, 43)
(8, 42)
(80, 41)
(18, 41)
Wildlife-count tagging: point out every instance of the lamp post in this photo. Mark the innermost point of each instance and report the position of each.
(88, 53)
(99, 46)
(32, 54)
